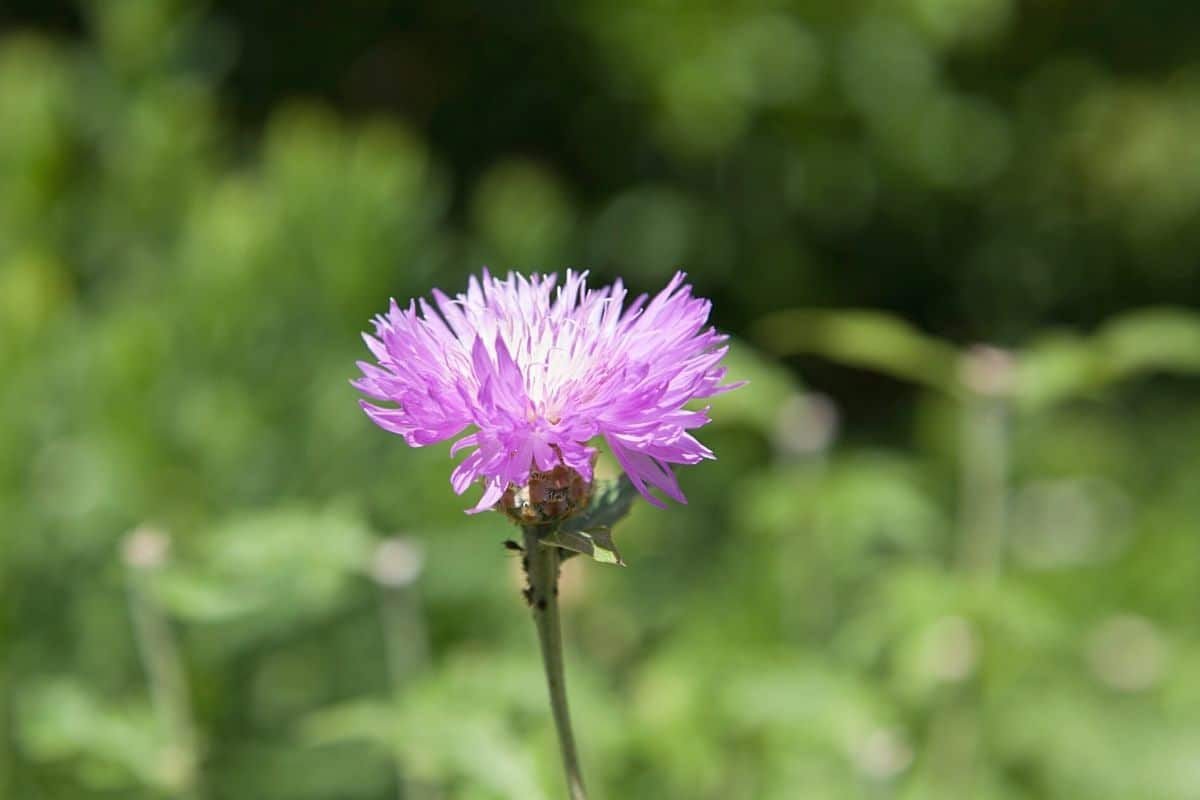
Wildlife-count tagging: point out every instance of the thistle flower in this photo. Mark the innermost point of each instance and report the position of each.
(539, 371)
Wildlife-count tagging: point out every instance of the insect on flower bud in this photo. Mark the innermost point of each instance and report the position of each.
(547, 497)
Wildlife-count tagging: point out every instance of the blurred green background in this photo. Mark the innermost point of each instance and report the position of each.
(949, 548)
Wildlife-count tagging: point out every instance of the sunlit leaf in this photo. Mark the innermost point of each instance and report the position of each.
(594, 542)
(1164, 339)
(868, 339)
(1055, 368)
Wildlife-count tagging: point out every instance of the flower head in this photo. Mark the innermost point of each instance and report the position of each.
(539, 370)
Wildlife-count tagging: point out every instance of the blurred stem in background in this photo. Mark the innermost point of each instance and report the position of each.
(982, 379)
(954, 747)
(952, 750)
(396, 566)
(145, 551)
(541, 567)
(805, 430)
(987, 375)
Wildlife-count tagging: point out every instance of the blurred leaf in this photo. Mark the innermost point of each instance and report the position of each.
(278, 565)
(108, 746)
(1061, 366)
(867, 339)
(1056, 368)
(1153, 339)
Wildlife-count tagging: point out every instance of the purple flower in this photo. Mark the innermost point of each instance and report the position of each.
(539, 371)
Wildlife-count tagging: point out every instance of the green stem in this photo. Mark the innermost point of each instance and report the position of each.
(541, 567)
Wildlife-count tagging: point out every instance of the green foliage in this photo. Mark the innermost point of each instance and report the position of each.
(111, 747)
(180, 302)
(594, 542)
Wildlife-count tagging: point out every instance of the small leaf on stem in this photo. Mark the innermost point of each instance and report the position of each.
(595, 542)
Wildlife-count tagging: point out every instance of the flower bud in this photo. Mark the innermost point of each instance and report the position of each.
(548, 497)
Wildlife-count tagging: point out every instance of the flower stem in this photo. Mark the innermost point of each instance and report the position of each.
(541, 567)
